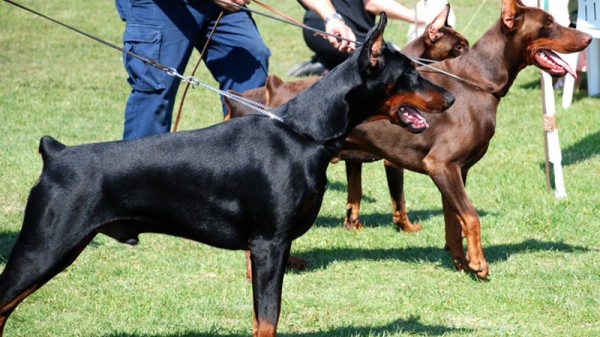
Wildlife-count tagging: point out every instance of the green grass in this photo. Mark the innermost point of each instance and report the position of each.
(543, 253)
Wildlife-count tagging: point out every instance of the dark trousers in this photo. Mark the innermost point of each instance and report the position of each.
(167, 31)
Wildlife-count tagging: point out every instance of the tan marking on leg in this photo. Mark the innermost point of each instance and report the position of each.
(8, 308)
(266, 329)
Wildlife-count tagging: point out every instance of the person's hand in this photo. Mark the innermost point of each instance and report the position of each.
(231, 8)
(339, 28)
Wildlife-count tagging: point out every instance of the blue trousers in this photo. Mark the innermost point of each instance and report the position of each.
(167, 31)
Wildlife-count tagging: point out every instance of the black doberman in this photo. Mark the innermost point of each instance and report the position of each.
(253, 183)
(439, 41)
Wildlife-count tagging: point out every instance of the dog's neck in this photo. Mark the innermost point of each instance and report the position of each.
(416, 47)
(492, 64)
(322, 113)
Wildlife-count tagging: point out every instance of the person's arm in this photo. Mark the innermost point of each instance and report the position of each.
(223, 3)
(392, 8)
(334, 24)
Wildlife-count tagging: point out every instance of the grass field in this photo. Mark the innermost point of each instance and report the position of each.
(544, 253)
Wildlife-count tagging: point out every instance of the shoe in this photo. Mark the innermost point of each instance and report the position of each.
(308, 68)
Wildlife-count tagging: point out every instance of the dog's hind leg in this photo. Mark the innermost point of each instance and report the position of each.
(42, 250)
(395, 180)
(354, 179)
(268, 260)
(27, 270)
(454, 236)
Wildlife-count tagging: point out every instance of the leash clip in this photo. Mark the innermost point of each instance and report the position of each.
(189, 79)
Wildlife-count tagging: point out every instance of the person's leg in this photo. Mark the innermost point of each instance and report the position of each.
(236, 56)
(157, 30)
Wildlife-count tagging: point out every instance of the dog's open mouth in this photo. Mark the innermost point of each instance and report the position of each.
(551, 63)
(412, 119)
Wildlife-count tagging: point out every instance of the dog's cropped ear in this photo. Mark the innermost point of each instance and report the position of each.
(231, 105)
(273, 82)
(511, 10)
(434, 31)
(371, 55)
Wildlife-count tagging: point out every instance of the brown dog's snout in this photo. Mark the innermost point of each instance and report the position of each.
(586, 39)
(579, 42)
(443, 100)
(449, 99)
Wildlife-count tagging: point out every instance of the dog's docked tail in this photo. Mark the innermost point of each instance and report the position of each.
(49, 147)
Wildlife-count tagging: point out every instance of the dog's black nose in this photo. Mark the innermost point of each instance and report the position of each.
(586, 39)
(449, 99)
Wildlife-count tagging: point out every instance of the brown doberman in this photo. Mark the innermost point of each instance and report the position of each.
(438, 42)
(454, 142)
(458, 139)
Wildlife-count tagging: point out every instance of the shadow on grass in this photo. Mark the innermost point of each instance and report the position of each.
(342, 186)
(375, 219)
(584, 149)
(535, 84)
(410, 326)
(385, 219)
(578, 93)
(321, 258)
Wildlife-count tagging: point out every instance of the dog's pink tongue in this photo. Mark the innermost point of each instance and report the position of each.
(409, 116)
(555, 60)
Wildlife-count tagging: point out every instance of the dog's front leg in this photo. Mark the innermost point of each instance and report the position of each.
(268, 259)
(459, 213)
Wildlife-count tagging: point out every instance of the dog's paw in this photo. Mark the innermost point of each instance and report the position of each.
(480, 269)
(405, 225)
(458, 263)
(351, 220)
(352, 224)
(458, 257)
